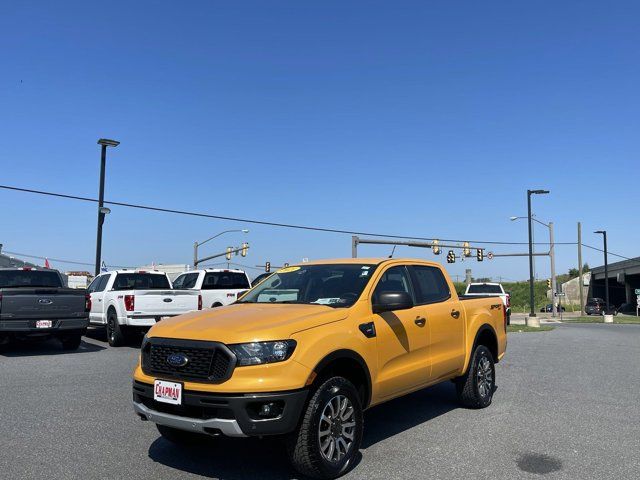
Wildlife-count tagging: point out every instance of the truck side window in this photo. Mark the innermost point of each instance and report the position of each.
(102, 284)
(186, 281)
(395, 279)
(431, 286)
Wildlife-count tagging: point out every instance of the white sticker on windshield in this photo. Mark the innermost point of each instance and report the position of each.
(364, 273)
(326, 301)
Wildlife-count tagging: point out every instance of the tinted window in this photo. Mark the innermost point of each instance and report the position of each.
(102, 283)
(337, 285)
(430, 284)
(186, 281)
(92, 286)
(29, 278)
(225, 281)
(141, 281)
(484, 288)
(394, 279)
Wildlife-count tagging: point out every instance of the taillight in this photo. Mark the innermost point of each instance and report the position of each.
(129, 303)
(87, 303)
(508, 300)
(199, 302)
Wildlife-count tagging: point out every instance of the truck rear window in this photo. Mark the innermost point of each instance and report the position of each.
(141, 281)
(225, 281)
(485, 289)
(29, 278)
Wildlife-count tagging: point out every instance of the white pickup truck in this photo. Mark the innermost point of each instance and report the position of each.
(490, 290)
(217, 286)
(130, 300)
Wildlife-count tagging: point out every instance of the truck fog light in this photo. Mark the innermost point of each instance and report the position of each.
(266, 410)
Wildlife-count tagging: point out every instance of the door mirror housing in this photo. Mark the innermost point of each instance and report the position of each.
(390, 301)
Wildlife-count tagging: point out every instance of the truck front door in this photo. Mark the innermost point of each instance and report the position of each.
(445, 319)
(402, 339)
(96, 290)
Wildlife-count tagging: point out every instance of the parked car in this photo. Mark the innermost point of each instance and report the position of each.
(35, 303)
(307, 350)
(217, 286)
(126, 301)
(490, 290)
(548, 308)
(597, 306)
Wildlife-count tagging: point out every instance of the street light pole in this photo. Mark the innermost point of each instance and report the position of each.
(554, 285)
(196, 261)
(606, 270)
(104, 143)
(531, 320)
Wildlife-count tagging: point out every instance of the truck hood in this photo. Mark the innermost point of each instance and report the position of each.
(247, 322)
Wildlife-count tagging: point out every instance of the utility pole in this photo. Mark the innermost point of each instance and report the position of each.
(531, 319)
(104, 143)
(606, 271)
(554, 286)
(580, 273)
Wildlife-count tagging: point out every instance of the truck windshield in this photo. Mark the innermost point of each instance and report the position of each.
(332, 285)
(29, 278)
(485, 289)
(141, 281)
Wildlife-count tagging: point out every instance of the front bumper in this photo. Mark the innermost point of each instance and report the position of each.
(64, 325)
(233, 415)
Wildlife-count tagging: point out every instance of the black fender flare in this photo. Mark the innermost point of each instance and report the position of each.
(351, 355)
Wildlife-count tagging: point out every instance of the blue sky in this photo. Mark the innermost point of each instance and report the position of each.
(416, 118)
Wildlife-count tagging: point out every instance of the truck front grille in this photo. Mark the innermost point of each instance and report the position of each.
(207, 361)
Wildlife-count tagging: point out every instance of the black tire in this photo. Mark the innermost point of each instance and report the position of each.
(115, 333)
(304, 445)
(181, 437)
(216, 305)
(473, 391)
(71, 342)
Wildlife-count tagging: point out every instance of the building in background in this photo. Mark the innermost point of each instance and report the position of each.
(79, 279)
(171, 269)
(624, 279)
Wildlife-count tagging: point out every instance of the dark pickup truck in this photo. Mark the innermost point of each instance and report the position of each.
(34, 303)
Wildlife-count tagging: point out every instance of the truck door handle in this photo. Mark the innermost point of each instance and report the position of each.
(420, 321)
(455, 313)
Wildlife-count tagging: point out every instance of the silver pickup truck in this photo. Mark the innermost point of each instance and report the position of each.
(34, 303)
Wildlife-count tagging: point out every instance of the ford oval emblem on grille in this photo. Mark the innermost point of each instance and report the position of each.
(177, 360)
(167, 300)
(45, 301)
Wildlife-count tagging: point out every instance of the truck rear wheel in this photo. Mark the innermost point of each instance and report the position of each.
(475, 388)
(330, 431)
(115, 333)
(71, 342)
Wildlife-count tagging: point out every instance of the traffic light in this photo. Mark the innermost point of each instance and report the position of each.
(480, 254)
(466, 250)
(451, 257)
(267, 267)
(436, 247)
(548, 283)
(229, 251)
(245, 247)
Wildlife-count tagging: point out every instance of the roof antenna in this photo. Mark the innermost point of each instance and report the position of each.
(392, 250)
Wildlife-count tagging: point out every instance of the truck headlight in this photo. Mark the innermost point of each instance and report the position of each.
(257, 353)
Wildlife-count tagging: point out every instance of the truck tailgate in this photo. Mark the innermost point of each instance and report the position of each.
(164, 302)
(42, 303)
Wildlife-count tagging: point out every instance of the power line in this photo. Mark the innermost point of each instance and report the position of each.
(611, 253)
(59, 260)
(261, 222)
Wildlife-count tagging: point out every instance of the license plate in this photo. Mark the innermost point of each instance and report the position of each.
(44, 324)
(167, 392)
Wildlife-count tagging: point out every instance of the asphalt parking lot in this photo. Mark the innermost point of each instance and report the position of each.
(566, 407)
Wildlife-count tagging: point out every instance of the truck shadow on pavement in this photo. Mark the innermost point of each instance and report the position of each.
(45, 347)
(235, 459)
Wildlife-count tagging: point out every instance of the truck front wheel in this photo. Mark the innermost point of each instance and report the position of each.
(475, 388)
(330, 431)
(115, 333)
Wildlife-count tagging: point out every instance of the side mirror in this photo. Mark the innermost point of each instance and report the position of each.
(389, 301)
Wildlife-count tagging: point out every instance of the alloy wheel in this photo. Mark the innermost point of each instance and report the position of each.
(484, 377)
(337, 428)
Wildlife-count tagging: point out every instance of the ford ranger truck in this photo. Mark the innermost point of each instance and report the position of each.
(35, 303)
(302, 354)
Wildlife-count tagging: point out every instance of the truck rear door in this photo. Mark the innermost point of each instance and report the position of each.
(445, 319)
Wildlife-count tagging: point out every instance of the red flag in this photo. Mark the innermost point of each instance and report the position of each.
(46, 263)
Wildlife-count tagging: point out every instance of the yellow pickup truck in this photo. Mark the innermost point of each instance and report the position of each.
(303, 353)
